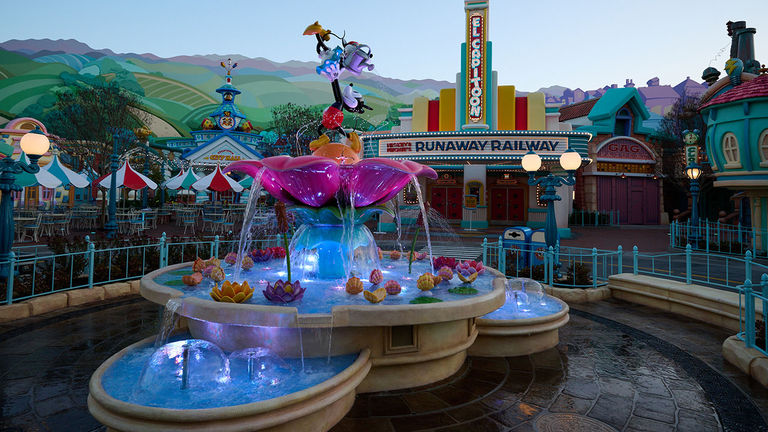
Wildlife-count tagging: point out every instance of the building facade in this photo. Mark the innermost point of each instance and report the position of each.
(475, 136)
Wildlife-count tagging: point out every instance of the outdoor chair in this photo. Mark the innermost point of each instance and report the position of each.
(32, 230)
(188, 222)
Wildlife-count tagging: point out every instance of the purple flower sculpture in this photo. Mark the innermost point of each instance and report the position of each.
(261, 255)
(442, 261)
(315, 180)
(283, 292)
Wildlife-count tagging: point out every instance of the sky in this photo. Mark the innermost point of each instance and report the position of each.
(585, 44)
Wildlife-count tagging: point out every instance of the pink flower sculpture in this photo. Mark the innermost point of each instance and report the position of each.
(261, 255)
(278, 252)
(315, 180)
(284, 292)
(477, 265)
(231, 258)
(442, 261)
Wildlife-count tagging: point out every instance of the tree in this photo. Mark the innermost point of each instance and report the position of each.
(298, 123)
(85, 115)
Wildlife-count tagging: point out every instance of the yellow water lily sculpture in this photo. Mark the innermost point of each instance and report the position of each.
(232, 292)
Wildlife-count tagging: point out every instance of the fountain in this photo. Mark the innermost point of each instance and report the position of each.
(283, 339)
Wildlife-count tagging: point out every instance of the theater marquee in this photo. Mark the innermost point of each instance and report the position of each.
(472, 146)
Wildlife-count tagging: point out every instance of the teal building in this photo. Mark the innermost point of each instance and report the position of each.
(735, 109)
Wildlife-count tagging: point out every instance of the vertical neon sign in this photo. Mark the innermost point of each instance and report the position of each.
(475, 73)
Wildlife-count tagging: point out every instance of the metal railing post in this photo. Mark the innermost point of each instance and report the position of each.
(764, 292)
(597, 217)
(621, 259)
(216, 246)
(11, 271)
(163, 252)
(672, 234)
(749, 315)
(551, 253)
(748, 265)
(688, 263)
(594, 267)
(502, 258)
(485, 250)
(91, 262)
(634, 260)
(706, 237)
(500, 253)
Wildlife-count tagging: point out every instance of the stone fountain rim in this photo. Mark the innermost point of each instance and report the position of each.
(341, 383)
(341, 315)
(521, 322)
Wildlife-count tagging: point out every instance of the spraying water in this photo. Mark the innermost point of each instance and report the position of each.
(169, 322)
(245, 231)
(424, 216)
(398, 220)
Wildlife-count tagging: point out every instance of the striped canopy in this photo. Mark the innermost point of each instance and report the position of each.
(183, 180)
(126, 176)
(44, 178)
(64, 175)
(216, 181)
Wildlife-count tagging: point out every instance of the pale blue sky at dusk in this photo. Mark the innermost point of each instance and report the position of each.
(536, 44)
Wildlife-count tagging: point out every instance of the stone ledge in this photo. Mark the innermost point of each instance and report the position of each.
(85, 295)
(62, 299)
(711, 305)
(748, 360)
(118, 289)
(47, 303)
(578, 295)
(14, 312)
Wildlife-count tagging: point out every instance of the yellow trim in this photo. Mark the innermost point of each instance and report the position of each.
(419, 123)
(447, 109)
(537, 113)
(506, 107)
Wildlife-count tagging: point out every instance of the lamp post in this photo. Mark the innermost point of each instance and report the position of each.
(693, 171)
(142, 134)
(119, 137)
(570, 160)
(34, 144)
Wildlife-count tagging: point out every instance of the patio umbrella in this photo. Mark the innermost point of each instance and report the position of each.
(217, 182)
(65, 175)
(183, 180)
(247, 182)
(42, 177)
(126, 176)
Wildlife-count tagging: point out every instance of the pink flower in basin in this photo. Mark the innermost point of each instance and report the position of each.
(284, 292)
(315, 180)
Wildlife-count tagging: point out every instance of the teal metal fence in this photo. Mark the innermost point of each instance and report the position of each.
(716, 237)
(594, 218)
(753, 326)
(583, 268)
(37, 273)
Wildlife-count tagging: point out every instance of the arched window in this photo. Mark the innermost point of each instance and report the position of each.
(623, 126)
(762, 144)
(731, 151)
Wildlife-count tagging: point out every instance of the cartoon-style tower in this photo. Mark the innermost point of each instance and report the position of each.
(227, 116)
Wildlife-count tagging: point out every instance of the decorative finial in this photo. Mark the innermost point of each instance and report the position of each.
(734, 67)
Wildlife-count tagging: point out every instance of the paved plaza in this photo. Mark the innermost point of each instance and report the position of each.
(618, 367)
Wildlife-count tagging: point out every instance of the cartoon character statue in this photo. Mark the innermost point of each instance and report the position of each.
(350, 56)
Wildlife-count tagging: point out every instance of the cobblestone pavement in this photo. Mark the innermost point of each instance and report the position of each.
(606, 374)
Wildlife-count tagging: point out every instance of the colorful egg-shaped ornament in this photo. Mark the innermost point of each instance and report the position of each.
(376, 277)
(354, 285)
(392, 287)
(425, 282)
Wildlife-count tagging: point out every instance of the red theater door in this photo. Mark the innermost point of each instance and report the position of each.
(447, 201)
(507, 204)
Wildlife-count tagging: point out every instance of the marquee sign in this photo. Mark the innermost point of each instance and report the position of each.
(475, 72)
(224, 155)
(472, 146)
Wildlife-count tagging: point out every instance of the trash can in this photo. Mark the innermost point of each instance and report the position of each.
(538, 247)
(517, 241)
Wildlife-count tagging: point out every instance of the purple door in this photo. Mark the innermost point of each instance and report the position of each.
(635, 198)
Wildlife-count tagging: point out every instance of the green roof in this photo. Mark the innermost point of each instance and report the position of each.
(611, 102)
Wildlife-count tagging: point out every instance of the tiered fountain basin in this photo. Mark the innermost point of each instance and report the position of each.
(527, 323)
(303, 406)
(410, 344)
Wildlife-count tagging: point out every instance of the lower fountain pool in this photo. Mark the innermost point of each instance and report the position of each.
(214, 378)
